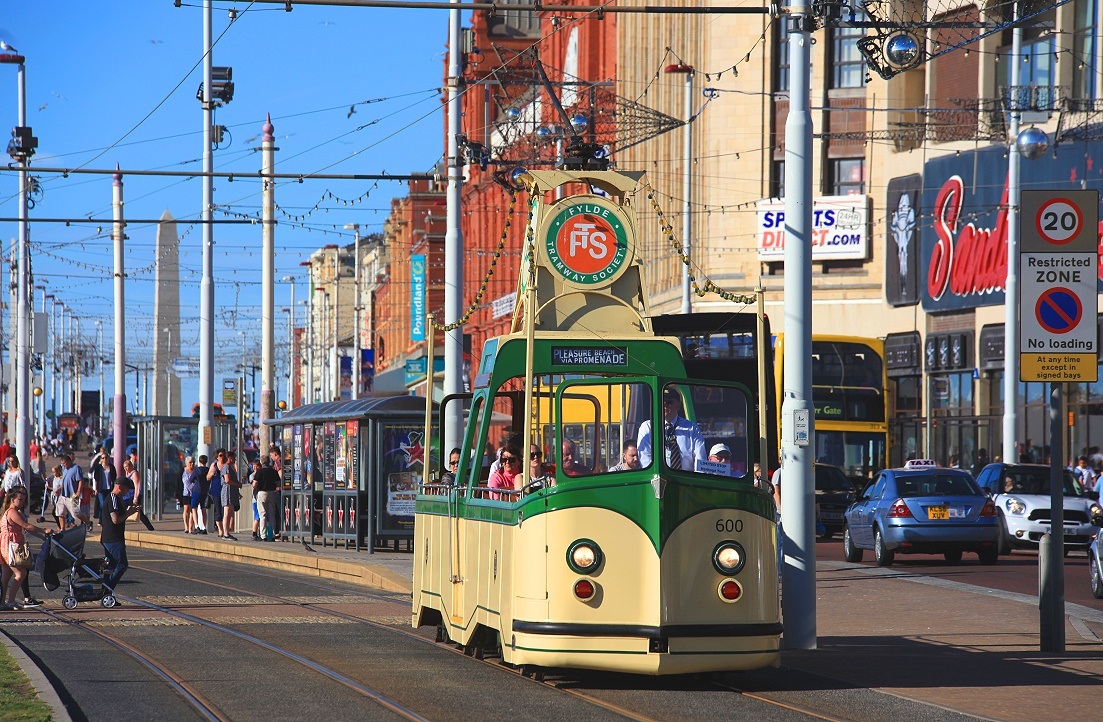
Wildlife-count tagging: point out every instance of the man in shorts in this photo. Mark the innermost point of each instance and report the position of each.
(72, 488)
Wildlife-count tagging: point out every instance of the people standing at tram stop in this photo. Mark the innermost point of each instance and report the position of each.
(189, 480)
(683, 442)
(275, 456)
(214, 476)
(231, 494)
(103, 481)
(266, 481)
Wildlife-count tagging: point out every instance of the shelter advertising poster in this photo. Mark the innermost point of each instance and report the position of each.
(403, 462)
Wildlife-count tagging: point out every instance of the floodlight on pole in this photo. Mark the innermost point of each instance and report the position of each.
(687, 182)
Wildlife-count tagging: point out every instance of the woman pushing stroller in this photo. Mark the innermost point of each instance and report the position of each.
(15, 556)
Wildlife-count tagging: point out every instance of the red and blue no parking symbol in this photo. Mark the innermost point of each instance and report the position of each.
(1059, 310)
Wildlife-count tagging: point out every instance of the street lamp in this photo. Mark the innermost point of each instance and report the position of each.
(687, 181)
(356, 352)
(335, 372)
(99, 357)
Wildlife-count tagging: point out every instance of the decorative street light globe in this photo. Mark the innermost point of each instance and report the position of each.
(1032, 143)
(517, 178)
(579, 122)
(901, 50)
(544, 132)
(513, 113)
(37, 390)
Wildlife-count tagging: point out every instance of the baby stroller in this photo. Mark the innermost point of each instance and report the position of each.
(64, 553)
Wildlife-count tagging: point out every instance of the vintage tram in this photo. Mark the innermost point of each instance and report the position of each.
(663, 564)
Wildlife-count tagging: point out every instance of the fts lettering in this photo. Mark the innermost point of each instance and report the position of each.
(593, 242)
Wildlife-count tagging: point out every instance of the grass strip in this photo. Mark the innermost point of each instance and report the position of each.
(18, 700)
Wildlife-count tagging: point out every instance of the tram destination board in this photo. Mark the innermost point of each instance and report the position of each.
(1058, 261)
(589, 356)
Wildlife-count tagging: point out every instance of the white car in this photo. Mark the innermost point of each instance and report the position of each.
(1021, 495)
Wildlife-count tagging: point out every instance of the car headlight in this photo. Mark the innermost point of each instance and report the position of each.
(1014, 506)
(1095, 511)
(584, 556)
(728, 557)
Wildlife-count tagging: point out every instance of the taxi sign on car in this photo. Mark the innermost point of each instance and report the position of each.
(920, 464)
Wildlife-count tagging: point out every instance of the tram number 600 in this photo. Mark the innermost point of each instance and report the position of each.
(729, 525)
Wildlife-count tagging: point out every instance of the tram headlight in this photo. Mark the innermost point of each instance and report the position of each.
(729, 558)
(584, 556)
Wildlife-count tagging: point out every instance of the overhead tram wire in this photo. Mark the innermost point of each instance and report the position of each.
(495, 7)
(229, 175)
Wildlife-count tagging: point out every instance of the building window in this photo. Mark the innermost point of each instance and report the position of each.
(1038, 49)
(848, 176)
(777, 179)
(781, 52)
(848, 67)
(1083, 49)
(952, 394)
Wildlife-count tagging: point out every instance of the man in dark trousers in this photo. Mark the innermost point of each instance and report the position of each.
(113, 529)
(103, 477)
(266, 481)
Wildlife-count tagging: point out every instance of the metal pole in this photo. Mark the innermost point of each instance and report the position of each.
(23, 328)
(291, 345)
(1011, 296)
(42, 396)
(99, 357)
(13, 326)
(206, 286)
(118, 423)
(452, 432)
(55, 339)
(308, 393)
(1051, 559)
(687, 192)
(335, 372)
(357, 354)
(797, 496)
(268, 294)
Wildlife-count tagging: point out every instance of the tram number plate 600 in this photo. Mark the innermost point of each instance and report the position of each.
(729, 525)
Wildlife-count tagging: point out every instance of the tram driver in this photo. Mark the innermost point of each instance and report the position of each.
(684, 444)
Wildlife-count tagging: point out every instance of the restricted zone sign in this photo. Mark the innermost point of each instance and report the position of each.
(1058, 258)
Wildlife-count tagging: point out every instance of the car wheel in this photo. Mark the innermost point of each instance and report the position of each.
(852, 553)
(988, 557)
(953, 557)
(881, 555)
(1003, 542)
(1097, 578)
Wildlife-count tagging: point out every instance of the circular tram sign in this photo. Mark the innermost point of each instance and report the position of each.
(1059, 221)
(587, 242)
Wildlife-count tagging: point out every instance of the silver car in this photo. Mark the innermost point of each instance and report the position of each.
(1021, 494)
(1095, 557)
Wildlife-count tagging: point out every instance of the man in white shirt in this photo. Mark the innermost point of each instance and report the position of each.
(682, 439)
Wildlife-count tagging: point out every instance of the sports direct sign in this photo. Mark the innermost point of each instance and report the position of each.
(840, 229)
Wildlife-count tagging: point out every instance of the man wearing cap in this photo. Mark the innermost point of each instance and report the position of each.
(723, 454)
(682, 439)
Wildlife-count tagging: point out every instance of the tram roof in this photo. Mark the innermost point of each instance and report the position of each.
(376, 406)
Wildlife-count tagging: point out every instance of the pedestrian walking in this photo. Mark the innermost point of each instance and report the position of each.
(15, 554)
(113, 529)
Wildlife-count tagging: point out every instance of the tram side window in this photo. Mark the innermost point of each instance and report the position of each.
(705, 429)
(595, 417)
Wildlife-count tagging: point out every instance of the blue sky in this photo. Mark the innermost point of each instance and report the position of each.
(114, 82)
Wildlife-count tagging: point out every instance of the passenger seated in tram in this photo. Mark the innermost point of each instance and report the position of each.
(629, 458)
(539, 475)
(509, 475)
(682, 439)
(448, 478)
(570, 465)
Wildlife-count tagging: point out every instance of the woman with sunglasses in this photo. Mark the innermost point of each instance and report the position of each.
(509, 475)
(13, 529)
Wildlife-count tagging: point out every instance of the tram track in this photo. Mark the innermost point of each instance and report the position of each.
(194, 698)
(458, 649)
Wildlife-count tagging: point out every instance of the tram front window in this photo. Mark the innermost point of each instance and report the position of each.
(704, 429)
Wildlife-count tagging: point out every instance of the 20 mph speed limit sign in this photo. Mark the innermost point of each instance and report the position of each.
(1058, 262)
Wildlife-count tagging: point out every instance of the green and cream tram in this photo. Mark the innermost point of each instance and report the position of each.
(665, 567)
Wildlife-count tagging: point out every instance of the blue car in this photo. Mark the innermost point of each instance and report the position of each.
(922, 509)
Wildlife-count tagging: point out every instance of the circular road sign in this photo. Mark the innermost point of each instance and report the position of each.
(1059, 310)
(1059, 221)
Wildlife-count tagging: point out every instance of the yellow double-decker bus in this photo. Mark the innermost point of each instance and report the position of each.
(848, 393)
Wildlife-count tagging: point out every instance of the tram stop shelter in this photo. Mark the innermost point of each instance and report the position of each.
(351, 470)
(163, 444)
